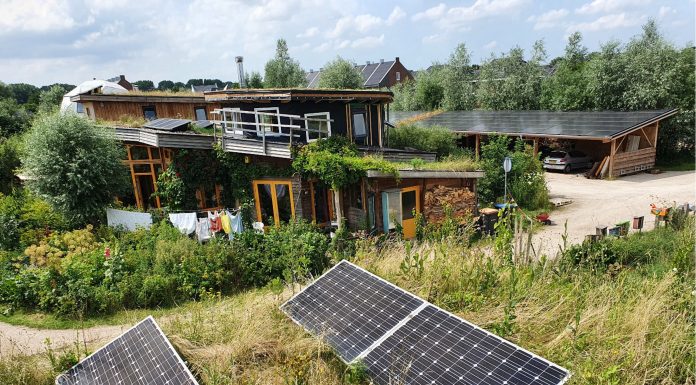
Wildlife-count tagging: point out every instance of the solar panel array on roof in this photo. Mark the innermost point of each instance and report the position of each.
(402, 339)
(166, 124)
(141, 355)
(591, 124)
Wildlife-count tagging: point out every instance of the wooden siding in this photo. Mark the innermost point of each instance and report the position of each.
(115, 110)
(635, 161)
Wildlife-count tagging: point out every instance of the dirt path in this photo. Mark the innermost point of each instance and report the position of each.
(28, 341)
(607, 202)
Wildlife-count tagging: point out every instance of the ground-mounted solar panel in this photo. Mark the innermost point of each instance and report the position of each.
(405, 340)
(350, 308)
(141, 355)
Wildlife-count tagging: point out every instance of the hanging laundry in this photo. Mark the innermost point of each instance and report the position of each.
(203, 229)
(225, 220)
(215, 222)
(235, 223)
(130, 220)
(185, 222)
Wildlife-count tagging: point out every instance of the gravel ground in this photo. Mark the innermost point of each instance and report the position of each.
(607, 202)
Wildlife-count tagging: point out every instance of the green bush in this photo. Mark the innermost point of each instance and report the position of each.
(9, 163)
(433, 139)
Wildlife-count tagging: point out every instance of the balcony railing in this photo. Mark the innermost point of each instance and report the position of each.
(267, 134)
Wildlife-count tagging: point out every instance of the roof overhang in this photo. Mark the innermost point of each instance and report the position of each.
(137, 98)
(286, 95)
(430, 174)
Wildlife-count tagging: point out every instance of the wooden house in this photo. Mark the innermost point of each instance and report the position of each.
(264, 126)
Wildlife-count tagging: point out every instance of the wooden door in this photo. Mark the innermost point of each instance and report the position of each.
(410, 206)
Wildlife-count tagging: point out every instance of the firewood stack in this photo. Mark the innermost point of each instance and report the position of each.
(460, 199)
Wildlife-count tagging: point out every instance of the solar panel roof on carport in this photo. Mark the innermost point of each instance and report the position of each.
(402, 339)
(590, 124)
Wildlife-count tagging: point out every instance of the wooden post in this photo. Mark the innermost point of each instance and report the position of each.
(477, 145)
(611, 158)
(536, 146)
(657, 129)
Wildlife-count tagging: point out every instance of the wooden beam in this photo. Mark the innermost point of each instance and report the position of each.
(645, 134)
(611, 157)
(477, 146)
(536, 146)
(657, 128)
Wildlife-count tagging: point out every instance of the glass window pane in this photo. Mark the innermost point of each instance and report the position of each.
(265, 203)
(141, 168)
(359, 125)
(149, 113)
(147, 188)
(79, 108)
(201, 114)
(371, 211)
(155, 152)
(321, 206)
(408, 204)
(284, 203)
(139, 153)
(394, 208)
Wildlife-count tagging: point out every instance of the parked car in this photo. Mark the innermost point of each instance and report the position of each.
(567, 161)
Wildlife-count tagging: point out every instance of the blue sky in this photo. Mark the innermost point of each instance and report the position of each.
(48, 41)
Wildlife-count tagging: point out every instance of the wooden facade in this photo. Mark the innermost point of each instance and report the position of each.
(113, 108)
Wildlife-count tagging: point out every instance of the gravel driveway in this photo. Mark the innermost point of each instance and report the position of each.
(607, 202)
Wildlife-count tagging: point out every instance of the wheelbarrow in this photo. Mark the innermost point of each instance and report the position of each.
(543, 218)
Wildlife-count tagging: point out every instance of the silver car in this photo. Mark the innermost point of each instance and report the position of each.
(567, 161)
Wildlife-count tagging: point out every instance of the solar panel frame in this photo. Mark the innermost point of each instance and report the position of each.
(352, 357)
(414, 314)
(65, 379)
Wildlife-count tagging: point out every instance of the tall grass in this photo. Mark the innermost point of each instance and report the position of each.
(630, 321)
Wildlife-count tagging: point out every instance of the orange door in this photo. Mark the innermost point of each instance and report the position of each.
(410, 206)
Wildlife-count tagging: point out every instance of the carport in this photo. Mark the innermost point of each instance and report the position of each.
(622, 142)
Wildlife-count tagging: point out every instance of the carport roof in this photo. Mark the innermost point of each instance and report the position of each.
(574, 124)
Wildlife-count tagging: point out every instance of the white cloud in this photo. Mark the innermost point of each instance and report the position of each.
(606, 22)
(548, 19)
(368, 42)
(605, 6)
(309, 32)
(323, 47)
(666, 11)
(459, 17)
(364, 23)
(432, 38)
(396, 14)
(343, 44)
(35, 15)
(491, 45)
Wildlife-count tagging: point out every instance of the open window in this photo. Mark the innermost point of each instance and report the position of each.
(232, 122)
(359, 124)
(149, 113)
(267, 121)
(273, 200)
(319, 128)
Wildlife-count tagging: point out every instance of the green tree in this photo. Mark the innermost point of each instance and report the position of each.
(25, 94)
(429, 90)
(567, 88)
(607, 77)
(9, 162)
(165, 85)
(405, 96)
(458, 87)
(144, 85)
(254, 80)
(13, 118)
(75, 165)
(49, 100)
(509, 82)
(283, 71)
(340, 74)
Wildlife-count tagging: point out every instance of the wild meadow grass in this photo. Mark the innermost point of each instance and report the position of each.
(629, 322)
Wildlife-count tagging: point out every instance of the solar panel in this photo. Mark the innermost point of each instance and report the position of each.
(350, 308)
(166, 124)
(420, 343)
(141, 355)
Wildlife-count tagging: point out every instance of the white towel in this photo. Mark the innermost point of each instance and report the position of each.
(203, 229)
(131, 220)
(185, 222)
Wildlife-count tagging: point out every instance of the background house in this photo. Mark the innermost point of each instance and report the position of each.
(375, 75)
(121, 81)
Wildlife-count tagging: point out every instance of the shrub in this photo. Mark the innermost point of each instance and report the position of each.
(75, 164)
(9, 162)
(433, 139)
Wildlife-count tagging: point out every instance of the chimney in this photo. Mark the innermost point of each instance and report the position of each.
(381, 61)
(397, 59)
(368, 62)
(123, 77)
(240, 69)
(311, 70)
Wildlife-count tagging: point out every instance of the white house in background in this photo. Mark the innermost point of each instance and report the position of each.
(89, 87)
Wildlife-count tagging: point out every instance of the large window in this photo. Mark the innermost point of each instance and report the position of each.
(359, 124)
(201, 113)
(233, 123)
(317, 129)
(273, 200)
(149, 113)
(267, 122)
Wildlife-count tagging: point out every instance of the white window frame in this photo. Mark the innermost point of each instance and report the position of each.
(326, 115)
(259, 124)
(398, 76)
(236, 125)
